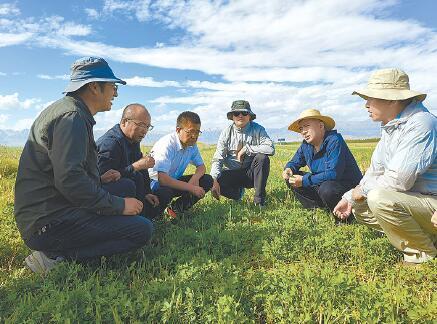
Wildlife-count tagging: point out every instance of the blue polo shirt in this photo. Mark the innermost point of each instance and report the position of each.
(334, 161)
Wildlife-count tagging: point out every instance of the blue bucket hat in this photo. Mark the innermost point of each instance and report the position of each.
(90, 69)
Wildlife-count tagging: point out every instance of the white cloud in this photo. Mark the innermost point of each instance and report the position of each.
(2, 74)
(150, 82)
(283, 56)
(9, 39)
(3, 119)
(140, 8)
(9, 9)
(92, 13)
(10, 102)
(54, 77)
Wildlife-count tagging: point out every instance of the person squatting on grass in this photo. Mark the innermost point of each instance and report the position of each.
(241, 159)
(398, 193)
(119, 150)
(333, 167)
(61, 209)
(172, 154)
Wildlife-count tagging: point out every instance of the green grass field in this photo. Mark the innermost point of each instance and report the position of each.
(224, 262)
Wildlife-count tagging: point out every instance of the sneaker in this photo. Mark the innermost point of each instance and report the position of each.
(417, 258)
(171, 213)
(40, 263)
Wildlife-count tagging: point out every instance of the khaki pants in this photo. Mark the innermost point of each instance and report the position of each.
(405, 217)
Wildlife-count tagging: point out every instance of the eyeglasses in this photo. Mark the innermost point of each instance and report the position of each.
(192, 132)
(238, 113)
(140, 124)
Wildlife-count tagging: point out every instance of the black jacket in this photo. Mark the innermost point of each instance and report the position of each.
(58, 173)
(116, 152)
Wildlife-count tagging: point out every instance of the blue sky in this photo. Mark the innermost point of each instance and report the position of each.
(281, 56)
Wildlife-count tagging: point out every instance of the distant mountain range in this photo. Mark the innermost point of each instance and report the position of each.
(353, 130)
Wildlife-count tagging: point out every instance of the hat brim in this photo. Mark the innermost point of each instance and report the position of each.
(328, 121)
(389, 94)
(229, 114)
(76, 85)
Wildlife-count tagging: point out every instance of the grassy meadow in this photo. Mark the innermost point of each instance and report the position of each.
(224, 262)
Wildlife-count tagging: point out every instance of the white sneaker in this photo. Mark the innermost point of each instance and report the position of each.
(40, 263)
(420, 257)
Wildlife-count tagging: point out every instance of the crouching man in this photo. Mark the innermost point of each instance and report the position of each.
(172, 154)
(61, 209)
(333, 167)
(119, 150)
(241, 159)
(398, 193)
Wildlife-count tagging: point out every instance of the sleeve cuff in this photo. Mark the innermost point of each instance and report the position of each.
(306, 180)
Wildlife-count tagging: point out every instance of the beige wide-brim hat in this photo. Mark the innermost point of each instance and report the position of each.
(312, 114)
(389, 84)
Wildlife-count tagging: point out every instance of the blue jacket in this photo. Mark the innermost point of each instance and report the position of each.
(116, 152)
(334, 161)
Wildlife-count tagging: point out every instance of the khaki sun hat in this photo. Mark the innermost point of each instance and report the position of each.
(312, 114)
(389, 84)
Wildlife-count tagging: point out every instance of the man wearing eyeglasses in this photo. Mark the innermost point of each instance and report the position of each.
(241, 159)
(121, 162)
(172, 154)
(61, 209)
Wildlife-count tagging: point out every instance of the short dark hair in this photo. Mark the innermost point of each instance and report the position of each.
(187, 116)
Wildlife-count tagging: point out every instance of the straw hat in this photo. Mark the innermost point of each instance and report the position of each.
(312, 114)
(389, 84)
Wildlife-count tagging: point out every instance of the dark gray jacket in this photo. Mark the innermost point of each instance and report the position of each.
(58, 173)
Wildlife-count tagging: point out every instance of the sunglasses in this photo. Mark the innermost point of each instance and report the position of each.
(238, 113)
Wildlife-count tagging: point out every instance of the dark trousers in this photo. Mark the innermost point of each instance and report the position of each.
(255, 176)
(134, 188)
(327, 195)
(186, 200)
(84, 235)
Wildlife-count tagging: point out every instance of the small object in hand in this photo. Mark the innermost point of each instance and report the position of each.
(292, 179)
(171, 213)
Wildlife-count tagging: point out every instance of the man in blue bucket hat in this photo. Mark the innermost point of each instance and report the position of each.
(61, 210)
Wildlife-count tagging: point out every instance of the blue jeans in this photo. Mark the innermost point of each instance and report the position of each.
(83, 235)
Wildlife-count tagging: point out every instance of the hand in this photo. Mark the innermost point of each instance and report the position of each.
(152, 199)
(110, 176)
(132, 206)
(215, 190)
(287, 173)
(343, 209)
(357, 194)
(194, 181)
(434, 219)
(240, 154)
(144, 163)
(296, 181)
(197, 191)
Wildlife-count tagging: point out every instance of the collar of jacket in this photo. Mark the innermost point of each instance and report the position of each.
(82, 106)
(324, 143)
(412, 109)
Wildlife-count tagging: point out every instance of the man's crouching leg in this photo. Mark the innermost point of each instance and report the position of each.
(85, 235)
(405, 218)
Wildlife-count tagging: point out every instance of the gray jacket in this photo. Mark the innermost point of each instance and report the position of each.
(253, 137)
(57, 173)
